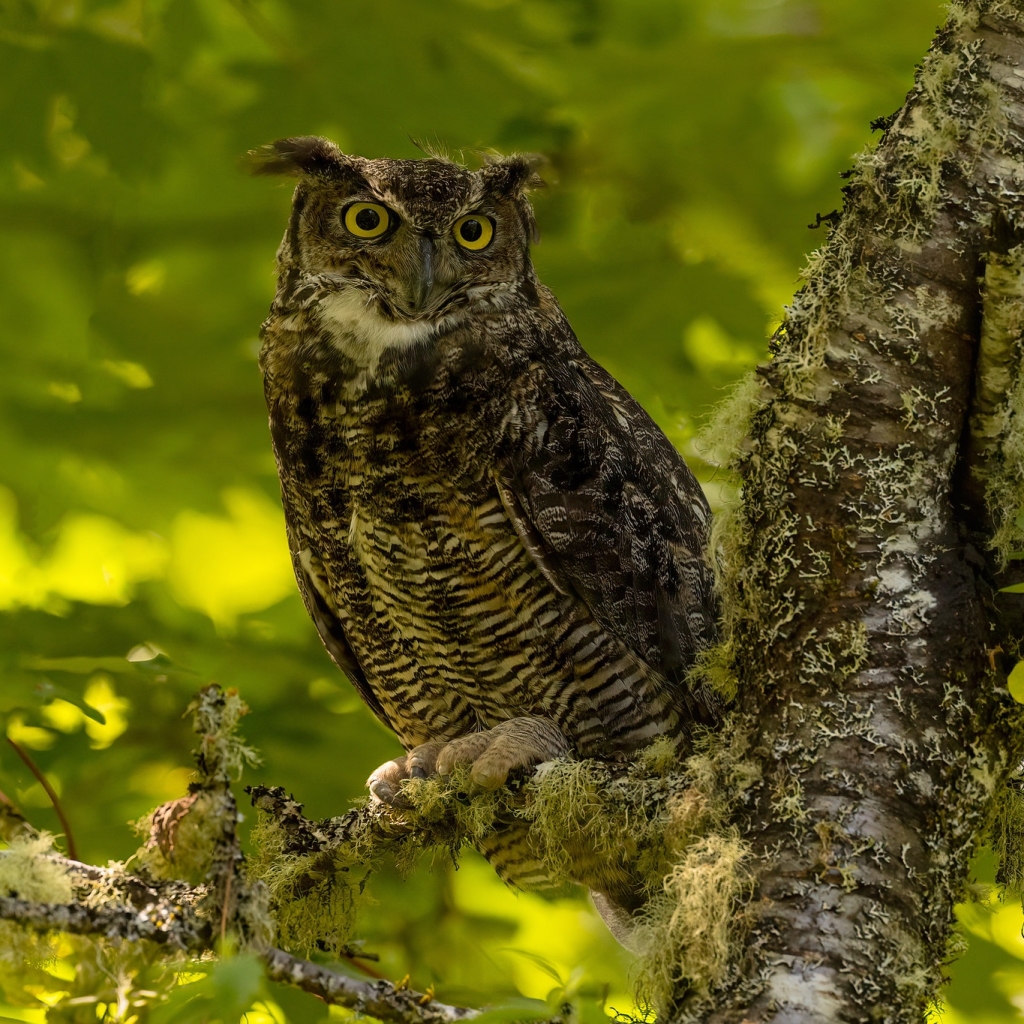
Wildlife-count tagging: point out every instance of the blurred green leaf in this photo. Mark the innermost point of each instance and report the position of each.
(298, 1007)
(542, 963)
(230, 988)
(511, 1010)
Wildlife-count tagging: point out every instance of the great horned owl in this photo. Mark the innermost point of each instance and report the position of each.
(498, 546)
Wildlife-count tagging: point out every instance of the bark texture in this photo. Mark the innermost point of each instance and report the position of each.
(866, 640)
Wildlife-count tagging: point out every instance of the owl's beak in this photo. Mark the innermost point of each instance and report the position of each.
(422, 283)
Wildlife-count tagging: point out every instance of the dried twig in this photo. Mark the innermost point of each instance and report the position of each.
(54, 799)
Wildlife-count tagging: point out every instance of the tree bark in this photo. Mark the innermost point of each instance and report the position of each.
(865, 636)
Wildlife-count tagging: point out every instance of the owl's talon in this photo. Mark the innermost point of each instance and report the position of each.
(517, 743)
(385, 783)
(493, 753)
(384, 790)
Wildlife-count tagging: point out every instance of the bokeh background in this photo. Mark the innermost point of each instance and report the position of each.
(691, 142)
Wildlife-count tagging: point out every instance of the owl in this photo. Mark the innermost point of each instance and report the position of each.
(497, 545)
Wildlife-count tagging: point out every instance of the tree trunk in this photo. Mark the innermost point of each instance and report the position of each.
(882, 471)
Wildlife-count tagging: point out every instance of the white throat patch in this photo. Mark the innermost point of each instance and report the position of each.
(362, 334)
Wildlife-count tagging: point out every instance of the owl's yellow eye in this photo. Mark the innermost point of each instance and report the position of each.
(474, 231)
(367, 220)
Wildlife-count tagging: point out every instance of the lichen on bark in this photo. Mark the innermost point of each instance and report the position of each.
(859, 566)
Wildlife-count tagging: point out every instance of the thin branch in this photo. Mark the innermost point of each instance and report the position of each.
(44, 782)
(378, 999)
(376, 822)
(356, 960)
(162, 923)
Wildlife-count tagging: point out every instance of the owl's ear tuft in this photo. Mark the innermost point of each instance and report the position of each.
(304, 154)
(513, 176)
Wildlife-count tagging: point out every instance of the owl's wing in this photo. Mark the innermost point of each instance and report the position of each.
(610, 511)
(316, 597)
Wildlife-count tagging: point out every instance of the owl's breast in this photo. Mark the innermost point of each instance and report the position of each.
(397, 522)
(403, 513)
(444, 610)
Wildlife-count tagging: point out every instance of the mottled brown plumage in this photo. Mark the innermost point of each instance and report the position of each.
(486, 528)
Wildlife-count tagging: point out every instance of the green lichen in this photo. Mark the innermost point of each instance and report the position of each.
(855, 319)
(104, 971)
(952, 114)
(997, 415)
(312, 899)
(627, 831)
(222, 753)
(841, 652)
(453, 809)
(999, 8)
(29, 872)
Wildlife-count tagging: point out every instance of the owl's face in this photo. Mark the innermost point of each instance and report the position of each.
(408, 241)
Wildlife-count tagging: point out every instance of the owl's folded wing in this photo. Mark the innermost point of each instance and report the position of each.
(316, 597)
(610, 511)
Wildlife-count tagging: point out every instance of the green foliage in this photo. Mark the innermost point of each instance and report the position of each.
(141, 543)
(222, 995)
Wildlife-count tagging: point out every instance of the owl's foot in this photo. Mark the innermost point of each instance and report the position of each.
(386, 782)
(517, 743)
(493, 753)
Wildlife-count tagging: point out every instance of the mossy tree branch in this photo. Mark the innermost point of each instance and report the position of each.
(192, 888)
(881, 483)
(177, 926)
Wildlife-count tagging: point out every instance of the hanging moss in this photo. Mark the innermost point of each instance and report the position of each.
(689, 931)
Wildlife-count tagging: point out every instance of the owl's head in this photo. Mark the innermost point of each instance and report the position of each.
(413, 240)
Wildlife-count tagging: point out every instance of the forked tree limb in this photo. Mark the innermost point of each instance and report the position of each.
(867, 639)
